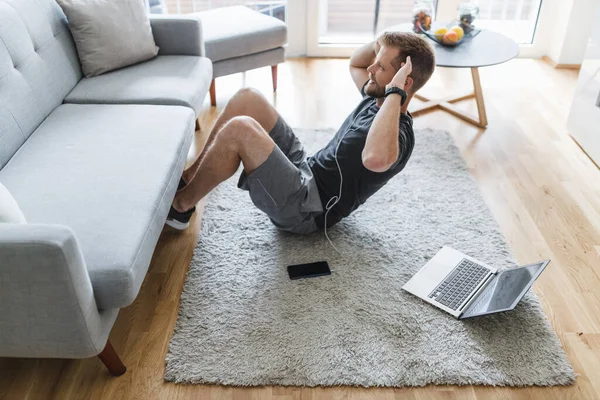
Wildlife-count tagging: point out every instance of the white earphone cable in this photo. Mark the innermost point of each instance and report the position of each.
(336, 199)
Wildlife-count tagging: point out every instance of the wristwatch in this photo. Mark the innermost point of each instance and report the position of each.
(395, 89)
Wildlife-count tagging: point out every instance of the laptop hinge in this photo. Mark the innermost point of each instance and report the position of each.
(476, 294)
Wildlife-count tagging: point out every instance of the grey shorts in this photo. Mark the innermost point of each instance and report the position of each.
(283, 187)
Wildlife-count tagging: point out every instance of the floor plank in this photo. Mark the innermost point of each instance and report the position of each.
(532, 175)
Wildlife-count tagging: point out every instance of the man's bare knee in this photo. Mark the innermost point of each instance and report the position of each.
(251, 102)
(243, 123)
(249, 94)
(239, 129)
(245, 136)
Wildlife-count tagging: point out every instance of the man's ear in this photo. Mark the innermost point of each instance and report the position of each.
(408, 84)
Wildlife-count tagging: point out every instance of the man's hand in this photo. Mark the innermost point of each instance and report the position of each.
(399, 80)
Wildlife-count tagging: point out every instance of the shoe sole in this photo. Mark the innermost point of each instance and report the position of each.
(180, 226)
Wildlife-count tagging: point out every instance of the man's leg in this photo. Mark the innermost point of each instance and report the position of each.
(246, 102)
(241, 139)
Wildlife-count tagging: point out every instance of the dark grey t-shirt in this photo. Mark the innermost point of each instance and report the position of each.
(359, 183)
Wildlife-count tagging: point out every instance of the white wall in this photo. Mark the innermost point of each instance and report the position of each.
(568, 28)
(296, 21)
(584, 117)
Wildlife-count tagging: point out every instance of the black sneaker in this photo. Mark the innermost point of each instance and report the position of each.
(178, 220)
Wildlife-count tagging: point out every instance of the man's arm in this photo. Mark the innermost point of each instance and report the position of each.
(360, 61)
(382, 148)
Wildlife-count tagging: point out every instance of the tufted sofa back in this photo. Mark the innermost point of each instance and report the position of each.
(38, 68)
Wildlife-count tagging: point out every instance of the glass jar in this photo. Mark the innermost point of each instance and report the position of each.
(467, 13)
(423, 15)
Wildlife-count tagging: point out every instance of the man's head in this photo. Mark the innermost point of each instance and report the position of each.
(394, 47)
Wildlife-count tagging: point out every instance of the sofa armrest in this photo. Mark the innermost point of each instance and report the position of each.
(178, 34)
(47, 305)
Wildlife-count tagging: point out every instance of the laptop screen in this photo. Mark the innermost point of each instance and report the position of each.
(505, 290)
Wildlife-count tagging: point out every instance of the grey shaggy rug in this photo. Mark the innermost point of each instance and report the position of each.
(243, 322)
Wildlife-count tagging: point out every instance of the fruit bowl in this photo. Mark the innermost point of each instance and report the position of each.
(453, 34)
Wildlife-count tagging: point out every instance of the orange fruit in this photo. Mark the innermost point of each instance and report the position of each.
(439, 33)
(459, 31)
(450, 38)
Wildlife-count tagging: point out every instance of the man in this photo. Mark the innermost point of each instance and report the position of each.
(301, 194)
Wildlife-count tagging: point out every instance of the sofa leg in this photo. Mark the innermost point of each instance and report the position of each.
(213, 94)
(111, 360)
(197, 125)
(274, 75)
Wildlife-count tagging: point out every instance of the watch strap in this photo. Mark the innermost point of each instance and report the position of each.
(395, 89)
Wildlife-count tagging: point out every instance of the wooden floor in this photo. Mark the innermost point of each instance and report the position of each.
(542, 189)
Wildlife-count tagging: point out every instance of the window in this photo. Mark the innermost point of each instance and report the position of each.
(358, 21)
(514, 18)
(274, 8)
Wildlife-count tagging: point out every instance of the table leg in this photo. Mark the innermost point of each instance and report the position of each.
(432, 104)
(479, 98)
(422, 98)
(450, 108)
(446, 103)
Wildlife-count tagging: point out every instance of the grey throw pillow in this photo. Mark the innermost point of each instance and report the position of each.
(109, 34)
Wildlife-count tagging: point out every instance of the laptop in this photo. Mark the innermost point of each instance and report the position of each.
(466, 287)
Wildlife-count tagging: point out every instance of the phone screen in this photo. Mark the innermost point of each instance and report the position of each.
(308, 270)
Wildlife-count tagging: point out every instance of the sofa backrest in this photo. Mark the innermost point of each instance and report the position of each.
(38, 68)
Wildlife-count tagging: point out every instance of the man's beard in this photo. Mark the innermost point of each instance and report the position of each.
(374, 90)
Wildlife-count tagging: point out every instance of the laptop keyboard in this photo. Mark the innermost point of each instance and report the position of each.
(459, 284)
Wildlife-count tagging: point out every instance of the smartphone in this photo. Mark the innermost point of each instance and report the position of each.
(311, 270)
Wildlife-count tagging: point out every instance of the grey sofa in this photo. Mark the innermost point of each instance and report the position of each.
(94, 165)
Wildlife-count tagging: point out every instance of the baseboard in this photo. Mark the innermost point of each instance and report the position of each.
(584, 152)
(560, 66)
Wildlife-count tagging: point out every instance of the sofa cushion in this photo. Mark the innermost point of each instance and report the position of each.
(238, 31)
(38, 68)
(110, 174)
(245, 63)
(164, 80)
(109, 34)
